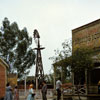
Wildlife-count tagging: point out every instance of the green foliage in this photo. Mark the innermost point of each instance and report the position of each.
(49, 78)
(62, 54)
(65, 63)
(81, 59)
(61, 61)
(15, 48)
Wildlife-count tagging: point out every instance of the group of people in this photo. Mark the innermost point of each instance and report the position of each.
(9, 93)
(31, 93)
(14, 94)
(44, 90)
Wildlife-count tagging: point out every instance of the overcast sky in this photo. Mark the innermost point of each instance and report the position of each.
(54, 19)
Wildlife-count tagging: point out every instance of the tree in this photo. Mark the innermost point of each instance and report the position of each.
(15, 48)
(77, 61)
(61, 61)
(81, 60)
(49, 78)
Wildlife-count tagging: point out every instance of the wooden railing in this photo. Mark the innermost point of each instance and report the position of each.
(74, 90)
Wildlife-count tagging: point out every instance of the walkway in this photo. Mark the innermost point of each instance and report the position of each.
(23, 98)
(38, 95)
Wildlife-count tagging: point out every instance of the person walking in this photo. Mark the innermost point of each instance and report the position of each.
(58, 88)
(44, 90)
(16, 93)
(8, 95)
(31, 93)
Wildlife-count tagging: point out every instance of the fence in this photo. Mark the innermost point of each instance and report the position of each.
(74, 90)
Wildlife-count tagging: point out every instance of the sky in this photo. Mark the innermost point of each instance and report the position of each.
(54, 20)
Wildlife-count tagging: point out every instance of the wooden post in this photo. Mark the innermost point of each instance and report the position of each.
(86, 81)
(61, 80)
(36, 83)
(73, 78)
(25, 84)
(54, 82)
(54, 78)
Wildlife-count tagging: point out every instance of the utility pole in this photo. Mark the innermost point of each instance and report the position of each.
(39, 73)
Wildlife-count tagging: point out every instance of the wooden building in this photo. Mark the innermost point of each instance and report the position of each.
(89, 36)
(12, 79)
(3, 77)
(86, 36)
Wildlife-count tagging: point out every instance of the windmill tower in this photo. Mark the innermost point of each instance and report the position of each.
(39, 73)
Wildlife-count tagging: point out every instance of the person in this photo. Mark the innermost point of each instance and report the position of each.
(58, 88)
(44, 90)
(99, 87)
(16, 94)
(8, 95)
(31, 93)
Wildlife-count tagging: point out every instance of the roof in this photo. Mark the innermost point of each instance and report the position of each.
(1, 60)
(86, 26)
(30, 78)
(61, 62)
(11, 75)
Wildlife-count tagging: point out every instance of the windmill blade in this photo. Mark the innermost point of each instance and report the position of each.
(36, 34)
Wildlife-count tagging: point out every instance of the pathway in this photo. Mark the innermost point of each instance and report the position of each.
(38, 95)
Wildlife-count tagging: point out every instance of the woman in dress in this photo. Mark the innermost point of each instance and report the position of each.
(31, 93)
(16, 93)
(8, 95)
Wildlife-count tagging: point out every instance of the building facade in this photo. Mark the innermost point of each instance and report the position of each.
(89, 36)
(3, 77)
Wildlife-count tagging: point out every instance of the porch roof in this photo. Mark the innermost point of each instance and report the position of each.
(2, 61)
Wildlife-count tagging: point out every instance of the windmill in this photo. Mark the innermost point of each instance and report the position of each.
(39, 73)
